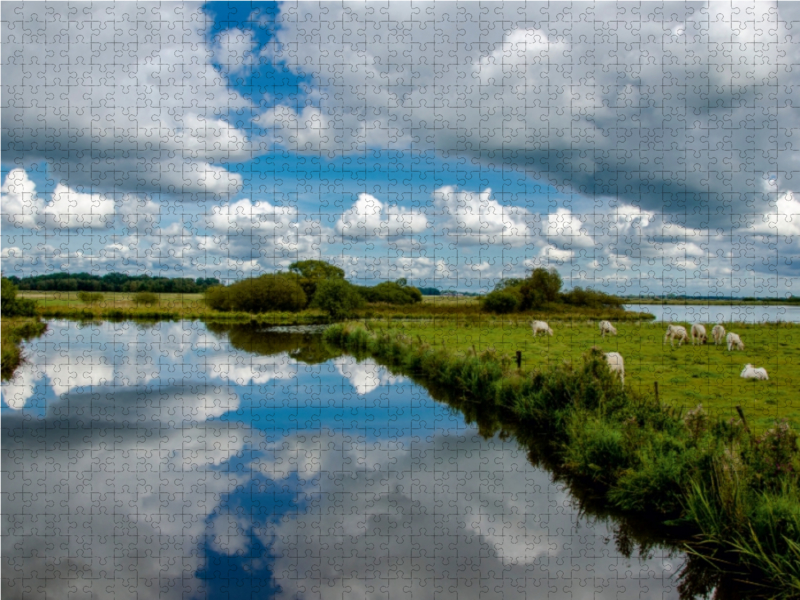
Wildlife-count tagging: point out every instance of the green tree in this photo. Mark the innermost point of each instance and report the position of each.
(10, 305)
(311, 272)
(337, 297)
(500, 302)
(541, 287)
(316, 269)
(507, 283)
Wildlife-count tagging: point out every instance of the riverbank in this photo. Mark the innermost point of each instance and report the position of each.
(686, 375)
(122, 305)
(13, 331)
(736, 491)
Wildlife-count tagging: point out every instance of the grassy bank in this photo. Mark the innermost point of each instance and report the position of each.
(736, 491)
(13, 331)
(686, 376)
(121, 305)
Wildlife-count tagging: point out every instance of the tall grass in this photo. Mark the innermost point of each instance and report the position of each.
(13, 331)
(737, 493)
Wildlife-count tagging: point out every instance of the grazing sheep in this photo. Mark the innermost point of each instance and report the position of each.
(616, 365)
(751, 372)
(699, 333)
(538, 326)
(718, 333)
(607, 327)
(676, 331)
(734, 341)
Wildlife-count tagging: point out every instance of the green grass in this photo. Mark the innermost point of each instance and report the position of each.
(686, 376)
(707, 477)
(123, 305)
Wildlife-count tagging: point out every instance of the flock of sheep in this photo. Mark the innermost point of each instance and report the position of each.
(698, 334)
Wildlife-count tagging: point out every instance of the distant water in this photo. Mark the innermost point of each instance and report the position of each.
(699, 313)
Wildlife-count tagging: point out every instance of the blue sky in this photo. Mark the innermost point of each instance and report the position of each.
(448, 144)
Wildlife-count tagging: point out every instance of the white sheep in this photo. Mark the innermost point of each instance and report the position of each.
(718, 333)
(734, 341)
(538, 326)
(699, 333)
(616, 365)
(751, 372)
(607, 327)
(676, 331)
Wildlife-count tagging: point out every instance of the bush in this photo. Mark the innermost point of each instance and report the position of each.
(500, 303)
(216, 297)
(391, 292)
(337, 297)
(145, 298)
(311, 272)
(90, 297)
(10, 305)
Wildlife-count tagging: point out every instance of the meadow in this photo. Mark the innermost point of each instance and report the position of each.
(686, 375)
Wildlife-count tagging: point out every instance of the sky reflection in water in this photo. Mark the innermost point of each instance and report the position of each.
(169, 461)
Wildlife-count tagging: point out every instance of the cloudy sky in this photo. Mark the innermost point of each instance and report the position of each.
(634, 148)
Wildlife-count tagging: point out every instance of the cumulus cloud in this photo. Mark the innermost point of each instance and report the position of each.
(67, 209)
(676, 117)
(21, 206)
(369, 218)
(134, 112)
(477, 218)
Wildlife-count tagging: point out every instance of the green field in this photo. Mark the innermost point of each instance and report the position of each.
(686, 376)
(116, 301)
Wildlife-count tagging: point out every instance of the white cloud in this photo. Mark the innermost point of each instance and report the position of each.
(670, 109)
(69, 209)
(369, 218)
(21, 206)
(477, 218)
(233, 50)
(127, 88)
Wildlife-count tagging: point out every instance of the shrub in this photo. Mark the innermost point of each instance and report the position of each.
(90, 297)
(337, 297)
(145, 298)
(391, 292)
(10, 305)
(311, 272)
(774, 454)
(270, 292)
(216, 297)
(500, 303)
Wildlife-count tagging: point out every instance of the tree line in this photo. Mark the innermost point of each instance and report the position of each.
(113, 282)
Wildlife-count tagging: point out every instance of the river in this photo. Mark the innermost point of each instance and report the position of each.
(704, 313)
(180, 461)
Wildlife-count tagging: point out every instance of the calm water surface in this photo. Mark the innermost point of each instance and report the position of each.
(698, 313)
(173, 461)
